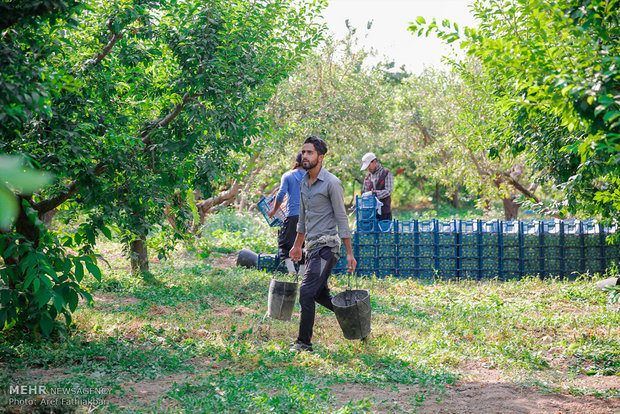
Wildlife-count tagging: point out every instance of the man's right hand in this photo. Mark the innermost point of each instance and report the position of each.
(295, 254)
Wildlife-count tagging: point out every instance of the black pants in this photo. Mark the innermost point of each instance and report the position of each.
(386, 216)
(286, 236)
(313, 288)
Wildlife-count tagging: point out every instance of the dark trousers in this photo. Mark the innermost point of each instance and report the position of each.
(319, 266)
(286, 236)
(386, 216)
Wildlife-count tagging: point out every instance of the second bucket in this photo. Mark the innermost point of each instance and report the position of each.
(352, 309)
(281, 301)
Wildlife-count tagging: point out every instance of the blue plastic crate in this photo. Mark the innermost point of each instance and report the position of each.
(386, 273)
(553, 266)
(386, 263)
(426, 273)
(573, 252)
(406, 239)
(406, 263)
(573, 240)
(267, 261)
(470, 264)
(511, 264)
(446, 251)
(447, 273)
(367, 201)
(366, 214)
(386, 250)
(551, 252)
(406, 250)
(427, 262)
(594, 265)
(427, 251)
(426, 239)
(446, 263)
(365, 238)
(531, 266)
(365, 250)
(386, 226)
(386, 239)
(265, 205)
(573, 265)
(366, 263)
(366, 226)
(406, 226)
(407, 273)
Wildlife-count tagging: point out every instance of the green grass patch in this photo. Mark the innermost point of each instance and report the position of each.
(198, 340)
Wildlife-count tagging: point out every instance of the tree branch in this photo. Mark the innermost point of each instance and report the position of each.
(147, 134)
(51, 203)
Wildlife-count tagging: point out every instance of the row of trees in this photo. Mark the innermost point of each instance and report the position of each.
(151, 113)
(129, 104)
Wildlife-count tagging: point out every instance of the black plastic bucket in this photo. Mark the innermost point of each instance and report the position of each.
(352, 309)
(247, 258)
(281, 301)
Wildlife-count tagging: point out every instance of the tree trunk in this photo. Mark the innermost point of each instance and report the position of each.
(456, 201)
(139, 256)
(511, 209)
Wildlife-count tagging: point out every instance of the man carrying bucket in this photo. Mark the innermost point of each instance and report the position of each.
(323, 223)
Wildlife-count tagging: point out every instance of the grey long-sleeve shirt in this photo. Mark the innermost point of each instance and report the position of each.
(322, 208)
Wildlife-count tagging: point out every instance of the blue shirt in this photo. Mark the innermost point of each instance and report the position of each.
(290, 184)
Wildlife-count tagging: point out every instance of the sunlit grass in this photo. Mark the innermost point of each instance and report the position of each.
(203, 327)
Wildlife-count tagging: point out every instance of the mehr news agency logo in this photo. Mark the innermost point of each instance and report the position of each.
(28, 395)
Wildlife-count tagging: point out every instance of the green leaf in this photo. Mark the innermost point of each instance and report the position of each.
(611, 116)
(107, 232)
(46, 323)
(93, 269)
(9, 206)
(79, 270)
(3, 316)
(72, 300)
(420, 20)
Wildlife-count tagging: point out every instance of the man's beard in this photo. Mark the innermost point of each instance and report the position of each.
(307, 165)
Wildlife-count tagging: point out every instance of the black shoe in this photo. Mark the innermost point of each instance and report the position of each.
(300, 346)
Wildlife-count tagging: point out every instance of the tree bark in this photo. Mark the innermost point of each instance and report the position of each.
(511, 209)
(225, 196)
(139, 256)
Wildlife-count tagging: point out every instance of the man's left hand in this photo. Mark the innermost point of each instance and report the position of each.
(351, 263)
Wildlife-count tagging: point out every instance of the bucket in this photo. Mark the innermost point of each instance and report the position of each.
(352, 309)
(247, 258)
(281, 301)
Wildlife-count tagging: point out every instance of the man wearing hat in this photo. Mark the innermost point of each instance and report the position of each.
(379, 181)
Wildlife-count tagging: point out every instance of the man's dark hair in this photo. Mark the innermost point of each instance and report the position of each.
(319, 145)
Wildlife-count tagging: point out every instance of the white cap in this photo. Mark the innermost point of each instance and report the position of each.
(367, 159)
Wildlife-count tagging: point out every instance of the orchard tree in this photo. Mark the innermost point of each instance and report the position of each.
(127, 103)
(556, 74)
(337, 95)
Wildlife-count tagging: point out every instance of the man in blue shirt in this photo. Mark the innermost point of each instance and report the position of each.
(289, 184)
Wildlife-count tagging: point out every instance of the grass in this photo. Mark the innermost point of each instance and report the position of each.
(197, 341)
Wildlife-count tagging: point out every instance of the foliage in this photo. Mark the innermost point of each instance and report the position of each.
(128, 102)
(14, 177)
(229, 231)
(335, 95)
(45, 282)
(556, 76)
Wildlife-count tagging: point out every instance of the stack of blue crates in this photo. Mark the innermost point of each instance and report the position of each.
(475, 249)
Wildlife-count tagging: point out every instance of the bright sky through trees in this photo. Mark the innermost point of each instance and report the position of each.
(389, 34)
